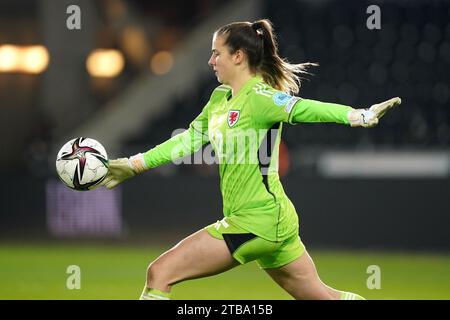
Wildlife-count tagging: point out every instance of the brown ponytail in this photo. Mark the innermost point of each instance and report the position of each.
(258, 41)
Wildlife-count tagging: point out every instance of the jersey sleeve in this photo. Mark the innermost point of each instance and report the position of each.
(307, 110)
(182, 144)
(270, 106)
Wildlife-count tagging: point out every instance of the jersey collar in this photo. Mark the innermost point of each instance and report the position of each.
(247, 86)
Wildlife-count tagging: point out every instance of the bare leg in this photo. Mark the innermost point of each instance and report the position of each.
(198, 255)
(300, 279)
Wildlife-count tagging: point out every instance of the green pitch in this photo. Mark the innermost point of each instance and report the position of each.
(118, 272)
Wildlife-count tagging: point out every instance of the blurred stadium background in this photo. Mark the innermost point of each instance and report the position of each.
(137, 70)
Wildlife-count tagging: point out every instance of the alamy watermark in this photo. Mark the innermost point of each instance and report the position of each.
(73, 21)
(230, 146)
(374, 280)
(374, 20)
(74, 279)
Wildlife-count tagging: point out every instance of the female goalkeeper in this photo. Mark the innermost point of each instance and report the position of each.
(244, 116)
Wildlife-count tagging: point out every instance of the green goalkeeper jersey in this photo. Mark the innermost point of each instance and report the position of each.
(245, 132)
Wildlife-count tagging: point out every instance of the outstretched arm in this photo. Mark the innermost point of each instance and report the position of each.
(178, 146)
(307, 110)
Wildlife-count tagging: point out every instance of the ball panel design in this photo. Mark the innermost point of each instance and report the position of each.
(82, 163)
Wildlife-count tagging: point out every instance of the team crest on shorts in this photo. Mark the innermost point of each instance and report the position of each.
(233, 117)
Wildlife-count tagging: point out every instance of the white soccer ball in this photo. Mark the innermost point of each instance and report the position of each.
(82, 163)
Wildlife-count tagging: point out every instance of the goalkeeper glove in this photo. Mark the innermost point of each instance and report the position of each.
(368, 118)
(124, 168)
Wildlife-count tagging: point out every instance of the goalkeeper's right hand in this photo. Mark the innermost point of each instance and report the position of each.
(122, 169)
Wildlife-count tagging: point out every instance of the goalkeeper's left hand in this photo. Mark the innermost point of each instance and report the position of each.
(368, 118)
(122, 169)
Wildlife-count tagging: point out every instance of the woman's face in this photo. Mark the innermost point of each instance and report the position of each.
(222, 62)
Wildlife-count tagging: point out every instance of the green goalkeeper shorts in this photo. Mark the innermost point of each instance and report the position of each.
(246, 247)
